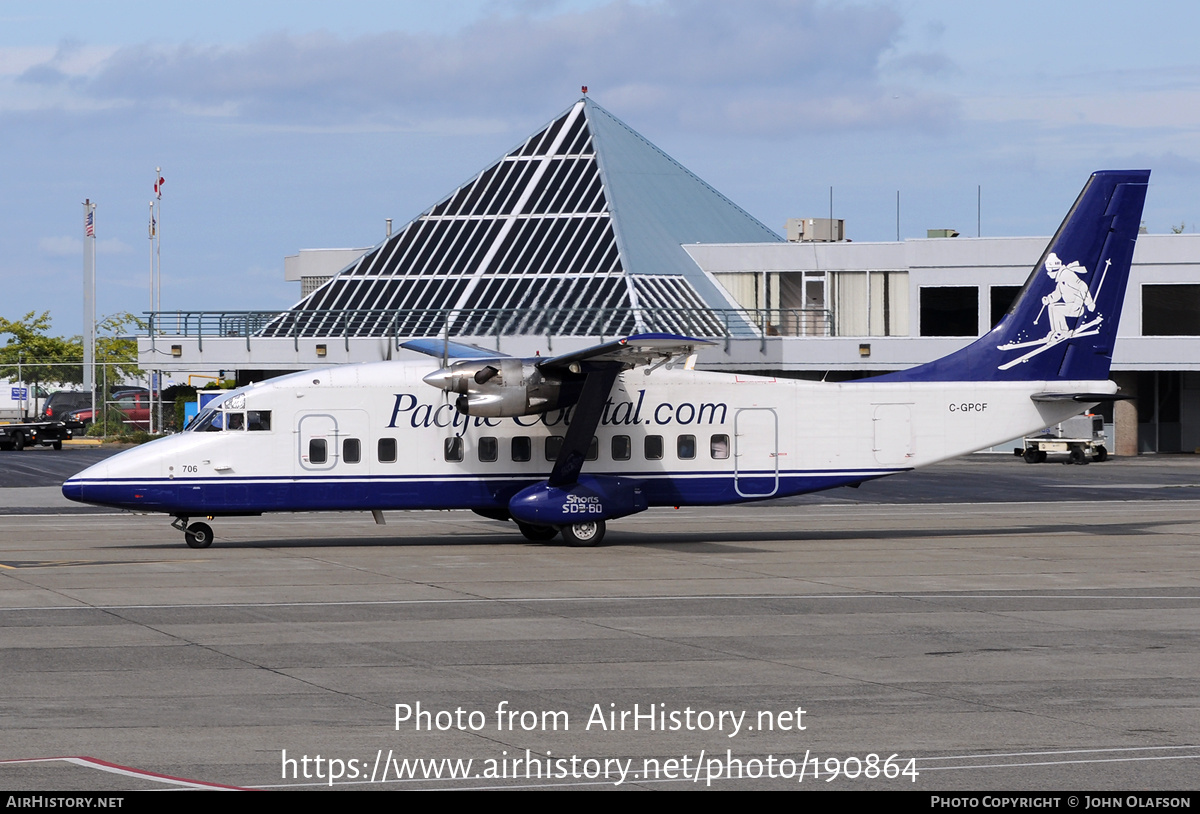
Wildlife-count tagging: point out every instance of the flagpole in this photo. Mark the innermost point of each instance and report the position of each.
(158, 182)
(89, 299)
(156, 376)
(152, 233)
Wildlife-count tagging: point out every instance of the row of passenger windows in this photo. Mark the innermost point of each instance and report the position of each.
(520, 449)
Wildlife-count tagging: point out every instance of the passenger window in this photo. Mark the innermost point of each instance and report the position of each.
(259, 420)
(453, 449)
(522, 448)
(316, 451)
(718, 447)
(351, 451)
(654, 447)
(621, 448)
(593, 449)
(387, 450)
(553, 447)
(488, 449)
(685, 446)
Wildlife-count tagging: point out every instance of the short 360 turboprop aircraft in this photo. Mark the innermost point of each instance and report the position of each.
(565, 444)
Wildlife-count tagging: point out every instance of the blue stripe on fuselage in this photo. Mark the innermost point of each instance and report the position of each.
(283, 494)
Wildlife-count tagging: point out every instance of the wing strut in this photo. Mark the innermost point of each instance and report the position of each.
(584, 420)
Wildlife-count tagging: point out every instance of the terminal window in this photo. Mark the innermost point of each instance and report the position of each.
(1171, 310)
(949, 311)
(1003, 296)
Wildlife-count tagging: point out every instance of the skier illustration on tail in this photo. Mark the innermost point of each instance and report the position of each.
(1070, 298)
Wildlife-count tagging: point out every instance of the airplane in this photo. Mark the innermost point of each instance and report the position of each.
(565, 444)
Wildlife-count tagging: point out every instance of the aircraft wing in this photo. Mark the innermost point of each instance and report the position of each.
(638, 349)
(439, 348)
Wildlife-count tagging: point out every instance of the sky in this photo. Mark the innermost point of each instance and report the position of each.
(287, 125)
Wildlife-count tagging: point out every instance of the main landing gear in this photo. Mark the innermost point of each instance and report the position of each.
(197, 535)
(582, 535)
(579, 535)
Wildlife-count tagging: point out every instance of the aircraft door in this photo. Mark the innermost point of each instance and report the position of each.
(893, 433)
(317, 435)
(334, 439)
(756, 452)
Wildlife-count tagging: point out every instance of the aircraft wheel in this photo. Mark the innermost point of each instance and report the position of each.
(1031, 456)
(1078, 456)
(198, 535)
(537, 534)
(18, 441)
(1100, 455)
(582, 535)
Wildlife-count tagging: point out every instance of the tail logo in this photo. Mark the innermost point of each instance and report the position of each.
(1069, 299)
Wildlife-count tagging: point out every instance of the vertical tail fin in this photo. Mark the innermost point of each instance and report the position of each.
(1063, 324)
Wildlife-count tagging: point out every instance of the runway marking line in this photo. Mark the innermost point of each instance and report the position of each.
(650, 598)
(126, 771)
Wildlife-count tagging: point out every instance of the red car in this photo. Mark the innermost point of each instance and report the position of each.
(135, 406)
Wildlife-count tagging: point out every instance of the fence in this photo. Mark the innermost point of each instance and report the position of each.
(402, 325)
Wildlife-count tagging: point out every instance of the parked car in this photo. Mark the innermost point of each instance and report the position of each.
(62, 402)
(134, 404)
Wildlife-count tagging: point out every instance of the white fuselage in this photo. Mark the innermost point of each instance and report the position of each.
(376, 437)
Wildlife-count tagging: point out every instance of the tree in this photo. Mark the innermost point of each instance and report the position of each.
(51, 359)
(1179, 229)
(39, 358)
(116, 347)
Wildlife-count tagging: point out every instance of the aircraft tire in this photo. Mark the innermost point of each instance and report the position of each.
(1031, 456)
(537, 534)
(198, 535)
(582, 535)
(1100, 455)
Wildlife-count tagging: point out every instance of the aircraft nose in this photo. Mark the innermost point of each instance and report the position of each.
(73, 491)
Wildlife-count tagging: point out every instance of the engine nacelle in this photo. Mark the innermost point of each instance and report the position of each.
(592, 497)
(503, 387)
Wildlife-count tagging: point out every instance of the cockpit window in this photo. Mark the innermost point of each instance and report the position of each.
(208, 421)
(216, 420)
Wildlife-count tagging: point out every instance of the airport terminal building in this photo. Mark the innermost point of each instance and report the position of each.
(587, 231)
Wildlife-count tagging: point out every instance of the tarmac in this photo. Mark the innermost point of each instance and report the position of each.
(981, 625)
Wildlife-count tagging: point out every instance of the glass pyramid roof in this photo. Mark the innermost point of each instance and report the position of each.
(576, 232)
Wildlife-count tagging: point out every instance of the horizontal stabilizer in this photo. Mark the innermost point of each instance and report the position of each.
(1090, 398)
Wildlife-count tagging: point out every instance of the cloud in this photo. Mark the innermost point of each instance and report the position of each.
(766, 67)
(65, 246)
(61, 246)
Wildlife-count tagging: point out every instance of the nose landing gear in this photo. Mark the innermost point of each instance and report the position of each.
(197, 535)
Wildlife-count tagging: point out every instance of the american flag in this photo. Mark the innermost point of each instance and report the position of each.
(89, 225)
